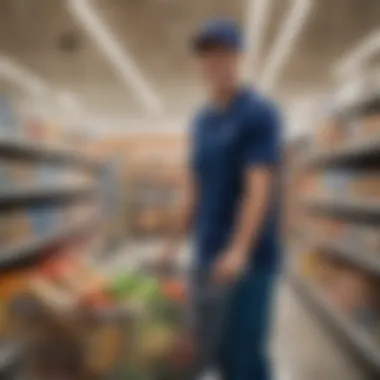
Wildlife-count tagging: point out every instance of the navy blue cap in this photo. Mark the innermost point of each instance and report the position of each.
(222, 32)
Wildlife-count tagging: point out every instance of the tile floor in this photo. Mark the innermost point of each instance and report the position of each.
(301, 348)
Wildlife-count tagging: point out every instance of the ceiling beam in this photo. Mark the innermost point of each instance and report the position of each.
(356, 58)
(118, 57)
(40, 92)
(22, 77)
(286, 39)
(257, 17)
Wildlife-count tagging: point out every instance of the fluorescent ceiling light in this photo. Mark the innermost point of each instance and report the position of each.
(357, 57)
(22, 77)
(38, 89)
(120, 60)
(257, 17)
(285, 41)
(68, 101)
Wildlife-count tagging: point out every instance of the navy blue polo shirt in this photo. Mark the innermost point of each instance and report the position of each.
(227, 142)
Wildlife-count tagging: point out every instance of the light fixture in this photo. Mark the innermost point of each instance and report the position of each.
(356, 58)
(43, 100)
(21, 76)
(285, 41)
(257, 17)
(68, 102)
(119, 58)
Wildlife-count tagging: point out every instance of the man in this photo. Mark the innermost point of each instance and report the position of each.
(232, 204)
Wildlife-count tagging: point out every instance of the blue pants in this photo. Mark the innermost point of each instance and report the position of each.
(232, 326)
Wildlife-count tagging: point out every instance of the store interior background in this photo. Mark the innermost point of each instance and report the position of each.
(114, 80)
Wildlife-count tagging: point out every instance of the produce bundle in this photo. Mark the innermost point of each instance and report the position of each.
(160, 305)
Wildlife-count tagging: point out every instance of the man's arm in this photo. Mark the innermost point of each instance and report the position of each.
(251, 218)
(262, 153)
(253, 209)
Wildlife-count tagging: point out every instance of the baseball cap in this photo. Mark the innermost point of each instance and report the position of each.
(221, 32)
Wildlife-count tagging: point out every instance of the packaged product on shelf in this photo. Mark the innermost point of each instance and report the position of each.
(81, 213)
(312, 186)
(367, 314)
(369, 124)
(5, 175)
(15, 283)
(9, 123)
(370, 238)
(74, 176)
(354, 236)
(336, 183)
(3, 318)
(24, 173)
(4, 238)
(327, 227)
(22, 229)
(354, 290)
(326, 272)
(8, 325)
(49, 174)
(40, 131)
(45, 219)
(331, 134)
(309, 263)
(366, 186)
(15, 228)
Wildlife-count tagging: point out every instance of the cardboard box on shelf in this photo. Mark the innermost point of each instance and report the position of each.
(23, 172)
(369, 126)
(15, 228)
(331, 134)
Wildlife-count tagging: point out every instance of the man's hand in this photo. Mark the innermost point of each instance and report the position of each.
(166, 258)
(230, 266)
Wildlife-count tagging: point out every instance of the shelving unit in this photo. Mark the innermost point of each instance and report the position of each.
(356, 206)
(37, 194)
(353, 337)
(348, 252)
(354, 153)
(27, 253)
(12, 148)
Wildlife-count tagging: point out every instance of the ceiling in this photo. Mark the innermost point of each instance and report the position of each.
(155, 33)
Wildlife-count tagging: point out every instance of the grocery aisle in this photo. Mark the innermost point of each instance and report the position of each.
(95, 109)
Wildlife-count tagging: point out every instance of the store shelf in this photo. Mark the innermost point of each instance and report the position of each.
(355, 154)
(356, 206)
(25, 253)
(30, 194)
(359, 343)
(12, 148)
(349, 252)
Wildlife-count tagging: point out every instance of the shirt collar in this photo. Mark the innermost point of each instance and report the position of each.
(241, 94)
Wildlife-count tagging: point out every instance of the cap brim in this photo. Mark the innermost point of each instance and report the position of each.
(201, 44)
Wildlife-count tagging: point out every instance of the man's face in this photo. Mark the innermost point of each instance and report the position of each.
(219, 67)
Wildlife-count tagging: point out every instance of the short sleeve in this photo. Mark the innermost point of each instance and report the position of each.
(262, 138)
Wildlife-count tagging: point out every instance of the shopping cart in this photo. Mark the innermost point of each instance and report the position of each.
(198, 326)
(123, 342)
(80, 345)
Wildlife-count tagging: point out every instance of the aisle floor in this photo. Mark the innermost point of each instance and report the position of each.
(301, 347)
